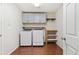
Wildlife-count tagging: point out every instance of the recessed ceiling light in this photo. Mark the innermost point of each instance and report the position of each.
(36, 4)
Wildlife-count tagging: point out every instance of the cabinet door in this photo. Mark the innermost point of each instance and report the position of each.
(38, 37)
(36, 18)
(42, 18)
(27, 17)
(25, 38)
(30, 17)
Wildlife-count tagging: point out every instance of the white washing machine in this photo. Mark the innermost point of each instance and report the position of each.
(26, 38)
(38, 37)
(32, 38)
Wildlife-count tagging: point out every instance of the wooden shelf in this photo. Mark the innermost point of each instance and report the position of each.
(51, 39)
(50, 19)
(51, 34)
(51, 30)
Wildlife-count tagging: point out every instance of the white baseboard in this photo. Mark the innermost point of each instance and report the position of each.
(13, 50)
(59, 46)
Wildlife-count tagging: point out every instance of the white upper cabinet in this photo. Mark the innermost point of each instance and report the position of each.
(37, 18)
(43, 18)
(27, 17)
(34, 17)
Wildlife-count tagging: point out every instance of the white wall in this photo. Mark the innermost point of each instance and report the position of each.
(50, 15)
(51, 24)
(11, 26)
(59, 22)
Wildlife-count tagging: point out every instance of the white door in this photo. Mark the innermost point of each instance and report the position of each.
(0, 36)
(71, 29)
(38, 37)
(0, 30)
(25, 38)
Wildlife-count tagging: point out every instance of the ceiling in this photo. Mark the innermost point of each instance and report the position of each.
(44, 7)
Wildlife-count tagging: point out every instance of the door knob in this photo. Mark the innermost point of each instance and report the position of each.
(63, 38)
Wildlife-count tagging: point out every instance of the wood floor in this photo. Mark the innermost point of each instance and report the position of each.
(50, 49)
